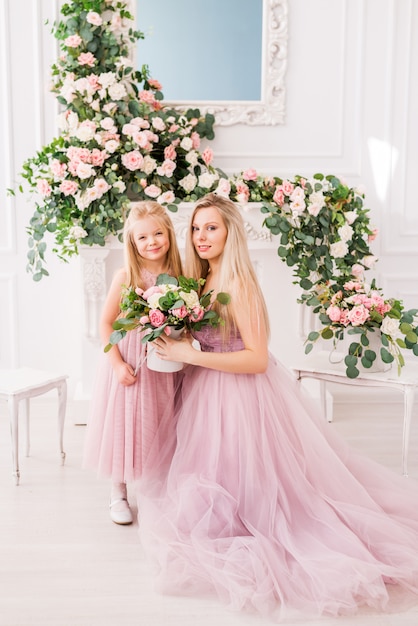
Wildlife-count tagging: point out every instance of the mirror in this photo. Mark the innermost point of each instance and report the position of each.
(189, 63)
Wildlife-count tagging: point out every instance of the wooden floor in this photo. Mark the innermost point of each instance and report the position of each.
(64, 563)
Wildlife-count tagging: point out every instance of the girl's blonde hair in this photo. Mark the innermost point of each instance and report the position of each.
(237, 276)
(133, 261)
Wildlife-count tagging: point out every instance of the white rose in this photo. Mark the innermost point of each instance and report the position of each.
(192, 157)
(117, 91)
(206, 180)
(148, 165)
(85, 133)
(77, 232)
(153, 300)
(191, 299)
(390, 326)
(158, 123)
(188, 183)
(338, 249)
(186, 143)
(345, 232)
(369, 260)
(351, 216)
(120, 186)
(84, 170)
(112, 145)
(107, 79)
(108, 124)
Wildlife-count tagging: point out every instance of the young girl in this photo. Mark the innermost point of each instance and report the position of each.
(129, 407)
(263, 505)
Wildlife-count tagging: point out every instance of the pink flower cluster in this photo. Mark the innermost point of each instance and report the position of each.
(156, 316)
(355, 309)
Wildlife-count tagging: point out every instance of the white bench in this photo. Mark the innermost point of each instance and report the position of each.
(24, 384)
(318, 367)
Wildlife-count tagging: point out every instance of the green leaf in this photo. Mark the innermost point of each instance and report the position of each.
(387, 357)
(223, 298)
(352, 372)
(308, 348)
(327, 333)
(313, 335)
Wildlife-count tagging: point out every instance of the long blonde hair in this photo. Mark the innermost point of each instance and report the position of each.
(237, 276)
(133, 261)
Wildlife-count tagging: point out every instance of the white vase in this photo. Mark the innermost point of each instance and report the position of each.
(155, 363)
(340, 351)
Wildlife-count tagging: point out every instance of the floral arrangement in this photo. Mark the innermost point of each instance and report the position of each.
(361, 310)
(169, 304)
(117, 141)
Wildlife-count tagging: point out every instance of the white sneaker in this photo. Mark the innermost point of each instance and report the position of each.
(120, 513)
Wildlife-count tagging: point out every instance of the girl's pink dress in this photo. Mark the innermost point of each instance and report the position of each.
(264, 506)
(127, 425)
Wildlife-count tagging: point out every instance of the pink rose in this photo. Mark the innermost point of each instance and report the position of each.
(181, 312)
(86, 58)
(150, 292)
(279, 196)
(58, 168)
(152, 191)
(155, 84)
(224, 188)
(156, 317)
(94, 18)
(167, 197)
(373, 236)
(196, 314)
(44, 187)
(207, 156)
(68, 187)
(170, 152)
(195, 137)
(73, 41)
(166, 168)
(357, 270)
(358, 315)
(287, 187)
(144, 319)
(334, 313)
(146, 96)
(132, 160)
(250, 174)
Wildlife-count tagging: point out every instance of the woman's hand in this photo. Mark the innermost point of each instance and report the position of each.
(179, 350)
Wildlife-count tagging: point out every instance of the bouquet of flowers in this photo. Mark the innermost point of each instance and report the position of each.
(170, 304)
(363, 312)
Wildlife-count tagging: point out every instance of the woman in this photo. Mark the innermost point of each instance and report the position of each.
(262, 503)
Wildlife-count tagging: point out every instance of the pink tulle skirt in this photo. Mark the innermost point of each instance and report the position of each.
(258, 502)
(127, 426)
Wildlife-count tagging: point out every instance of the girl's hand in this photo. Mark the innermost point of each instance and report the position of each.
(124, 373)
(179, 350)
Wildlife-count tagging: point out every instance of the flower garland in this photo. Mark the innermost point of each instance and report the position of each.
(119, 142)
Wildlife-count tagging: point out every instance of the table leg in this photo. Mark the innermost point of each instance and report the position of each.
(27, 422)
(408, 395)
(14, 431)
(62, 403)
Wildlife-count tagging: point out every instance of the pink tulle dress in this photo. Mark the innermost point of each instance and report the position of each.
(127, 425)
(266, 508)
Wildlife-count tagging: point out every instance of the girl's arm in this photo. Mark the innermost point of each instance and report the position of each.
(124, 371)
(252, 359)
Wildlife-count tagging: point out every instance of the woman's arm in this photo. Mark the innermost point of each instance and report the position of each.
(252, 359)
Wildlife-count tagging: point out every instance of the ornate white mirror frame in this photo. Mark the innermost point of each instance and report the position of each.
(270, 109)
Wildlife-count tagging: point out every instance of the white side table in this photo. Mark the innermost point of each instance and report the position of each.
(318, 367)
(24, 384)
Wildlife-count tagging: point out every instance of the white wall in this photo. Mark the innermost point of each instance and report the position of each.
(351, 100)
